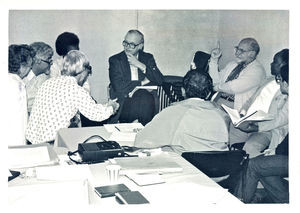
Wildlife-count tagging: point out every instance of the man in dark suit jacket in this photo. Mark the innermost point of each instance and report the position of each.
(128, 69)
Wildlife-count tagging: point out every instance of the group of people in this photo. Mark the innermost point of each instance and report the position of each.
(49, 95)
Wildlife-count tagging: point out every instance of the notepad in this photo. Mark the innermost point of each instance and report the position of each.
(110, 190)
(152, 164)
(132, 197)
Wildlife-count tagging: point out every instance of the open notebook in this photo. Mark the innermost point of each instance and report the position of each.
(152, 164)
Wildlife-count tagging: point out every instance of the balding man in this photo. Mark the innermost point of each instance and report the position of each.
(128, 69)
(239, 80)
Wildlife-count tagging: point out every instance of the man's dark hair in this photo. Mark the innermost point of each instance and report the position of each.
(18, 55)
(64, 41)
(197, 84)
(284, 72)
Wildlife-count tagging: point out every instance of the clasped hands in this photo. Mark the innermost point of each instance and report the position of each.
(115, 105)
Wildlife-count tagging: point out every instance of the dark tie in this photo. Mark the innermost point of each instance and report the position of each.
(233, 75)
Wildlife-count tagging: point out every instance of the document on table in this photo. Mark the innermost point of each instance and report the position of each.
(124, 127)
(58, 173)
(31, 156)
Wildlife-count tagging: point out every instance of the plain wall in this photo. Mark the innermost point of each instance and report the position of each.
(173, 36)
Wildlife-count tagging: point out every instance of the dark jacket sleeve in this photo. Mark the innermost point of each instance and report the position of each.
(152, 72)
(121, 86)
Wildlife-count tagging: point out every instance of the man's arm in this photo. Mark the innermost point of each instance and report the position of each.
(117, 78)
(152, 72)
(93, 111)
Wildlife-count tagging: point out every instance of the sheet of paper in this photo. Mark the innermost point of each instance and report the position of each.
(122, 136)
(123, 127)
(146, 179)
(28, 157)
(70, 172)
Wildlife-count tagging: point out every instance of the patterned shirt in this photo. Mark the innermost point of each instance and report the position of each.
(57, 102)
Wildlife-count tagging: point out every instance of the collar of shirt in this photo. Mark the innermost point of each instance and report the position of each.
(29, 77)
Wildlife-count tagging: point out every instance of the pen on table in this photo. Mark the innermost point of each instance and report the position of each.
(118, 129)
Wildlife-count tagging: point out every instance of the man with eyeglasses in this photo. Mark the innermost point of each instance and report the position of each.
(39, 72)
(128, 69)
(239, 80)
(271, 167)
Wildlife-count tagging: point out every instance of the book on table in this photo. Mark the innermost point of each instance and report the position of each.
(255, 116)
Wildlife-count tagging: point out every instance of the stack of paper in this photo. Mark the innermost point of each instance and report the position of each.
(31, 156)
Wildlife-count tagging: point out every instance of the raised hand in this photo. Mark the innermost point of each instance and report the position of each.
(216, 52)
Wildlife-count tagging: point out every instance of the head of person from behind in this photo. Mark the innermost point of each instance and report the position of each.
(43, 58)
(197, 85)
(133, 42)
(283, 79)
(77, 65)
(66, 42)
(280, 59)
(246, 51)
(20, 58)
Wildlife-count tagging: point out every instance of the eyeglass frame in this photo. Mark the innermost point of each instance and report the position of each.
(131, 45)
(241, 50)
(48, 62)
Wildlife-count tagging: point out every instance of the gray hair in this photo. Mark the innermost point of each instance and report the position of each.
(74, 62)
(42, 50)
(137, 32)
(252, 43)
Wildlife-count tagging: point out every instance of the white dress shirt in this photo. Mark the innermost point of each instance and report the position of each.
(17, 102)
(57, 102)
(250, 78)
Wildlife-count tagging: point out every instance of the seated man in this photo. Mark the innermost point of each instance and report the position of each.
(270, 168)
(39, 72)
(128, 69)
(260, 135)
(59, 99)
(20, 58)
(194, 124)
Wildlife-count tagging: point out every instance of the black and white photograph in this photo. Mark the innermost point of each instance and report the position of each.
(149, 106)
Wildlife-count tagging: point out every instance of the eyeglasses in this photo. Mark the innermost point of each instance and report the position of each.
(50, 62)
(89, 69)
(237, 49)
(131, 45)
(278, 79)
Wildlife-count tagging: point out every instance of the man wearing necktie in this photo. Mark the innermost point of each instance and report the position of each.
(128, 69)
(239, 79)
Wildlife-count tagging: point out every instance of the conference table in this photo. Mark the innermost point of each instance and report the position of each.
(188, 187)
